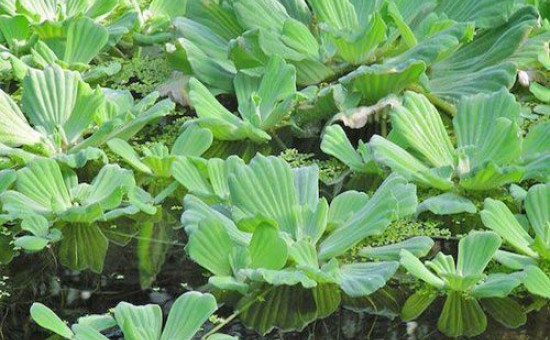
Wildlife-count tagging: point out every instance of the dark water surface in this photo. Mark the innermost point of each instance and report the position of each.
(72, 294)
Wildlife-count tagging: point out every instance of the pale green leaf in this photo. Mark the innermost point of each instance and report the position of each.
(537, 282)
(46, 318)
(416, 268)
(416, 304)
(139, 322)
(475, 251)
(461, 316)
(418, 246)
(497, 217)
(187, 315)
(447, 204)
(360, 279)
(267, 249)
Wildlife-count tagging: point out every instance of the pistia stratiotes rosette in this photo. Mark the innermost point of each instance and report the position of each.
(186, 316)
(276, 242)
(156, 163)
(372, 48)
(465, 285)
(51, 203)
(264, 101)
(490, 150)
(63, 32)
(64, 118)
(531, 253)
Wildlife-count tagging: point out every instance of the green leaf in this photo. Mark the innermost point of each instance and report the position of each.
(46, 318)
(153, 244)
(386, 302)
(485, 13)
(284, 277)
(83, 247)
(35, 224)
(31, 243)
(375, 82)
(405, 31)
(513, 260)
(222, 123)
(497, 217)
(40, 188)
(228, 283)
(506, 311)
(360, 279)
(537, 205)
(395, 198)
(85, 332)
(85, 39)
(306, 181)
(537, 282)
(210, 246)
(497, 285)
(267, 249)
(418, 246)
(268, 102)
(481, 66)
(461, 316)
(541, 92)
(266, 187)
(170, 8)
(336, 143)
(416, 268)
(475, 251)
(339, 15)
(14, 127)
(358, 48)
(6, 249)
(196, 211)
(125, 150)
(304, 254)
(193, 142)
(416, 304)
(288, 308)
(447, 204)
(421, 127)
(345, 205)
(15, 30)
(139, 322)
(219, 336)
(486, 123)
(55, 98)
(535, 143)
(405, 164)
(187, 315)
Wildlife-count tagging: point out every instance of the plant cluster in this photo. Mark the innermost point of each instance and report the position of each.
(302, 132)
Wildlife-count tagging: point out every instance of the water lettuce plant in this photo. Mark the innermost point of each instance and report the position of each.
(186, 316)
(89, 157)
(276, 242)
(63, 32)
(50, 202)
(530, 253)
(373, 48)
(64, 118)
(156, 163)
(263, 103)
(489, 152)
(468, 290)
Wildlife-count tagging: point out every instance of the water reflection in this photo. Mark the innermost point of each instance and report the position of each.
(72, 294)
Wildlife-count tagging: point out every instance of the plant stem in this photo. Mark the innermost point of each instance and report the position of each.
(222, 324)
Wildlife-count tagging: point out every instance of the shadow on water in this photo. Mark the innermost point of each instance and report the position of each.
(72, 294)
